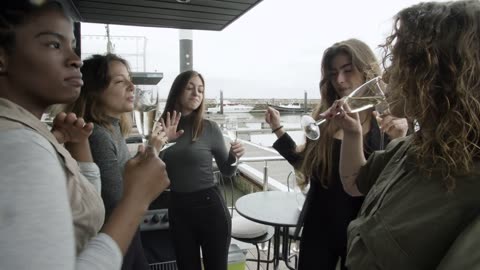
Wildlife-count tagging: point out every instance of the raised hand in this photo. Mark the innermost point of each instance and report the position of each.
(237, 149)
(272, 117)
(70, 128)
(339, 112)
(171, 125)
(158, 138)
(393, 126)
(145, 177)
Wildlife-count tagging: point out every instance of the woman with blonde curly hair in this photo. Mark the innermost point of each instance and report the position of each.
(422, 205)
(328, 208)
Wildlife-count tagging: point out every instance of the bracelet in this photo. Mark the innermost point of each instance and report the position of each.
(278, 128)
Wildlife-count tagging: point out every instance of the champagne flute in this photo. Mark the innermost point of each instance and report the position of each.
(366, 96)
(230, 127)
(381, 108)
(145, 110)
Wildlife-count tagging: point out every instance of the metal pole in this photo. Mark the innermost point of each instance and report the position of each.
(144, 54)
(305, 102)
(265, 176)
(186, 50)
(109, 42)
(221, 102)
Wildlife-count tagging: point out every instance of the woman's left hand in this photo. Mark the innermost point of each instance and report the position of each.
(237, 149)
(393, 126)
(341, 115)
(70, 128)
(170, 127)
(163, 132)
(158, 138)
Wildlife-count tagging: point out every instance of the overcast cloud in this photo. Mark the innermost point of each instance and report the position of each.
(274, 50)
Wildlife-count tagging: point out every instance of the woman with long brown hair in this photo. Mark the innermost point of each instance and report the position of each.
(328, 209)
(199, 218)
(422, 206)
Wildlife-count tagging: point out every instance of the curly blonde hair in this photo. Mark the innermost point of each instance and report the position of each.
(318, 155)
(432, 61)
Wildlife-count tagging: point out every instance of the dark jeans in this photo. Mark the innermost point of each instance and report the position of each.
(135, 258)
(320, 247)
(200, 220)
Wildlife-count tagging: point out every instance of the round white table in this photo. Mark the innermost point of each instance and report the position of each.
(276, 208)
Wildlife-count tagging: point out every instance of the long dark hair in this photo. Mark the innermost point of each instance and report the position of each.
(317, 160)
(96, 79)
(173, 101)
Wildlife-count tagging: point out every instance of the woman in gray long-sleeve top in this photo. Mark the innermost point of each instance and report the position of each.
(106, 97)
(198, 214)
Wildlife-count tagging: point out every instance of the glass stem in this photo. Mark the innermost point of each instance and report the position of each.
(382, 140)
(319, 122)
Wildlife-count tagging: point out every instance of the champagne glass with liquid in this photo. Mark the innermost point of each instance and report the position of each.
(230, 127)
(145, 110)
(366, 96)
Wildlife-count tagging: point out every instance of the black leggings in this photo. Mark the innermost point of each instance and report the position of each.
(315, 254)
(200, 220)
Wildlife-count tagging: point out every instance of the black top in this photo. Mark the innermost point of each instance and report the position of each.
(330, 209)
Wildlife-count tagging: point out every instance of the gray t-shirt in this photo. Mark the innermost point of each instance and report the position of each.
(110, 153)
(189, 164)
(36, 228)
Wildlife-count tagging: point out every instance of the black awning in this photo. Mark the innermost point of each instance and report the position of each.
(182, 14)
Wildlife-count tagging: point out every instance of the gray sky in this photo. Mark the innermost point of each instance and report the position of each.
(273, 51)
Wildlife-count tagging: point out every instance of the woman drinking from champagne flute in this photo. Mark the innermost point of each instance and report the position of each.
(328, 209)
(422, 204)
(106, 99)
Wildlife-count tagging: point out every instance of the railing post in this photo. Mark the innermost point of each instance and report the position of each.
(265, 176)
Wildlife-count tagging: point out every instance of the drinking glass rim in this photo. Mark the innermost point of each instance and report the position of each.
(376, 79)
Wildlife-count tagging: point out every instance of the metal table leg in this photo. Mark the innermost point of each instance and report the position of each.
(276, 248)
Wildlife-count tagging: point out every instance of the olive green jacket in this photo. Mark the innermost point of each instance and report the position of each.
(409, 221)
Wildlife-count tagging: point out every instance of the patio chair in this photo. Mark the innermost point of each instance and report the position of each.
(248, 231)
(293, 233)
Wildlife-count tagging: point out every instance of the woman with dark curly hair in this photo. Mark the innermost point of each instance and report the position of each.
(422, 205)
